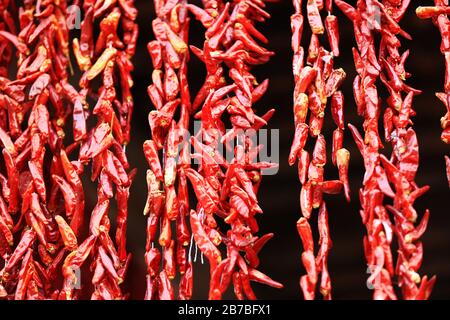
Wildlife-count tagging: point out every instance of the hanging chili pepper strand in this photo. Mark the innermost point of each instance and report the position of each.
(374, 216)
(371, 18)
(7, 23)
(402, 167)
(103, 146)
(35, 97)
(439, 15)
(167, 199)
(231, 46)
(24, 160)
(8, 31)
(317, 83)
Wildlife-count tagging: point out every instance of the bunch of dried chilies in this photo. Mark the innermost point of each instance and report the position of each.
(45, 237)
(224, 189)
(316, 85)
(439, 15)
(54, 125)
(393, 177)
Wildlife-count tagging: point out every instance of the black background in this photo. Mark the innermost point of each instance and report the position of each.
(279, 193)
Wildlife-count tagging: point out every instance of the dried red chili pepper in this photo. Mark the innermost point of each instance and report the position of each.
(67, 234)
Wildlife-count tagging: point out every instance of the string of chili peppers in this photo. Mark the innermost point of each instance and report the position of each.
(230, 50)
(7, 27)
(103, 145)
(398, 130)
(316, 83)
(370, 18)
(7, 24)
(36, 224)
(210, 184)
(439, 15)
(167, 199)
(374, 216)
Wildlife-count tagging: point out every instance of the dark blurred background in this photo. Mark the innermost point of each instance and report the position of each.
(279, 193)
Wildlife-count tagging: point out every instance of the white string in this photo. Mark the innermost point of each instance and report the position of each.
(202, 217)
(190, 249)
(196, 251)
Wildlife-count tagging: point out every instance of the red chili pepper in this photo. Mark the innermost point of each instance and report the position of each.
(97, 215)
(13, 181)
(75, 182)
(447, 164)
(165, 289)
(182, 229)
(25, 275)
(25, 243)
(203, 242)
(7, 143)
(166, 232)
(186, 283)
(314, 19)
(214, 286)
(331, 26)
(169, 260)
(153, 258)
(6, 232)
(306, 200)
(70, 199)
(114, 169)
(68, 236)
(4, 214)
(155, 196)
(15, 41)
(301, 134)
(201, 192)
